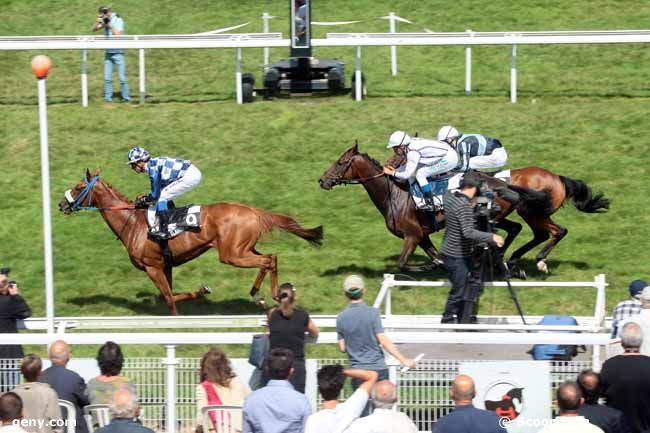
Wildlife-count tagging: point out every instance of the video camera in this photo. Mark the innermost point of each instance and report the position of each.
(485, 211)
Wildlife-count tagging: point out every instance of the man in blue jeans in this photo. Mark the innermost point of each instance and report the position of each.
(112, 24)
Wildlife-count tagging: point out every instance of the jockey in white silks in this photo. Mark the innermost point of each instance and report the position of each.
(169, 179)
(425, 158)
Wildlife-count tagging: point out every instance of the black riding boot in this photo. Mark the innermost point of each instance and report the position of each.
(163, 221)
(428, 200)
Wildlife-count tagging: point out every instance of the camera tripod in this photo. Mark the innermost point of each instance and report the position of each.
(486, 257)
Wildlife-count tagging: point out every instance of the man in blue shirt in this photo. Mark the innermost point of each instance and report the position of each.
(276, 408)
(465, 418)
(113, 25)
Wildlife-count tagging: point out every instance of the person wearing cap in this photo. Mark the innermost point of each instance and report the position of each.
(457, 246)
(628, 308)
(361, 334)
(476, 151)
(425, 158)
(642, 319)
(113, 25)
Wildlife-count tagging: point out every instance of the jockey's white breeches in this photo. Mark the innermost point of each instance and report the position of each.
(439, 166)
(496, 159)
(190, 180)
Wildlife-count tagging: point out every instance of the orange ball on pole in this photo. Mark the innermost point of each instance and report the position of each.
(41, 66)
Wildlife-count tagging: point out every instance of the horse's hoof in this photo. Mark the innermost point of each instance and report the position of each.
(205, 290)
(542, 266)
(261, 302)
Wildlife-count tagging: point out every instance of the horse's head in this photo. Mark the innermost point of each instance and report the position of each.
(350, 168)
(80, 196)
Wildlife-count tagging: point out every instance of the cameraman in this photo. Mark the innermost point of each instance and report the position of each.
(460, 238)
(113, 25)
(12, 308)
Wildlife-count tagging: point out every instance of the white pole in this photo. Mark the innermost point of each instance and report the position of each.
(171, 362)
(357, 74)
(513, 75)
(47, 218)
(393, 48)
(141, 63)
(84, 78)
(240, 99)
(265, 18)
(468, 67)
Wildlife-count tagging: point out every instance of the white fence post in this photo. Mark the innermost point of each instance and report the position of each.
(357, 74)
(265, 19)
(171, 363)
(240, 99)
(142, 72)
(513, 75)
(393, 48)
(84, 78)
(599, 316)
(468, 67)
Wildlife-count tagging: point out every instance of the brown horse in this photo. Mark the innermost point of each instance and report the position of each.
(232, 229)
(393, 200)
(559, 189)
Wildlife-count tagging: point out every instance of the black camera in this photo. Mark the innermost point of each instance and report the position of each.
(5, 271)
(11, 282)
(485, 211)
(103, 14)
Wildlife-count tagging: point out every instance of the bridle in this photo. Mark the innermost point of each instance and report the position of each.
(76, 202)
(338, 180)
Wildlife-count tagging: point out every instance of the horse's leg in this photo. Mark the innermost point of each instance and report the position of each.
(183, 296)
(160, 279)
(250, 259)
(540, 235)
(557, 233)
(512, 228)
(431, 250)
(274, 278)
(410, 243)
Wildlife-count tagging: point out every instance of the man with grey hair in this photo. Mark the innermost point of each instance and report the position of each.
(384, 419)
(625, 379)
(125, 409)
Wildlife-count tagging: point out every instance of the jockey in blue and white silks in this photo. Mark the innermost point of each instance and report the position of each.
(169, 179)
(476, 152)
(424, 158)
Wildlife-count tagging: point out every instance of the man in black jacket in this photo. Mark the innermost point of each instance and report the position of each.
(12, 308)
(67, 384)
(607, 418)
(460, 238)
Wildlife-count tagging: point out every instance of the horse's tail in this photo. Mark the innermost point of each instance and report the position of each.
(270, 220)
(582, 196)
(533, 202)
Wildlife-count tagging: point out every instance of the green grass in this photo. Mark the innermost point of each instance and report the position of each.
(582, 113)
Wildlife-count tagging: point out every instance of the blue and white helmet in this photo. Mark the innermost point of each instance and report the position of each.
(138, 154)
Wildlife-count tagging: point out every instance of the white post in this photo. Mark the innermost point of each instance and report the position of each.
(143, 93)
(389, 302)
(171, 362)
(599, 316)
(84, 78)
(468, 67)
(357, 74)
(513, 75)
(240, 99)
(393, 48)
(265, 18)
(47, 218)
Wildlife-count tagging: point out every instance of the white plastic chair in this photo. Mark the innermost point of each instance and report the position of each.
(71, 419)
(97, 415)
(229, 418)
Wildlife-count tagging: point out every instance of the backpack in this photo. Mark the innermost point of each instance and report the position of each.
(555, 352)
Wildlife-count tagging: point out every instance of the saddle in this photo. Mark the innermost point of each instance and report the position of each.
(181, 219)
(439, 186)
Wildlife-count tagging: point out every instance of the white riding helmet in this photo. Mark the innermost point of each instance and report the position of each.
(446, 132)
(398, 138)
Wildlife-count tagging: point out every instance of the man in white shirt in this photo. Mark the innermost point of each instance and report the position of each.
(11, 413)
(569, 399)
(335, 417)
(384, 419)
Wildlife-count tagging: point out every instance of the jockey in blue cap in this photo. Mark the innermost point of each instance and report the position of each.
(169, 179)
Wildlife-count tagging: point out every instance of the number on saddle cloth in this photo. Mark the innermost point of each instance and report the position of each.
(185, 218)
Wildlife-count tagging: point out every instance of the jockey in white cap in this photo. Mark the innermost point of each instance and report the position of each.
(476, 152)
(425, 158)
(169, 179)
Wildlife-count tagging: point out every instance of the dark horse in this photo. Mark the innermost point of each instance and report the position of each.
(233, 229)
(393, 200)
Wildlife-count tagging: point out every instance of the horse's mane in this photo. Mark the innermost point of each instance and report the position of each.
(401, 185)
(116, 192)
(373, 160)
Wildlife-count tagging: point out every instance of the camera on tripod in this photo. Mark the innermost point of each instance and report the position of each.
(485, 211)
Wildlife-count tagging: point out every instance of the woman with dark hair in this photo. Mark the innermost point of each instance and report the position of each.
(287, 327)
(219, 385)
(110, 360)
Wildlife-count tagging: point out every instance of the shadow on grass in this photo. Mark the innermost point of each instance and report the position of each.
(149, 304)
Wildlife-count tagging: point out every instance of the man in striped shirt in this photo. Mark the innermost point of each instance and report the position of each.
(459, 240)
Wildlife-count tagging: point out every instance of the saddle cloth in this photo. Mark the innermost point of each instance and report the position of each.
(180, 219)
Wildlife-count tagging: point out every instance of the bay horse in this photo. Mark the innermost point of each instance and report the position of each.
(232, 229)
(560, 189)
(393, 200)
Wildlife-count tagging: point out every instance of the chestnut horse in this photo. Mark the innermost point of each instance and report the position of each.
(559, 189)
(232, 229)
(393, 200)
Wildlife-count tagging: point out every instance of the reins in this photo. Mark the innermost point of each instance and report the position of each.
(75, 202)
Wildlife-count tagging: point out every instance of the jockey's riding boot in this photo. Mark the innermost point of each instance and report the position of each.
(428, 200)
(163, 222)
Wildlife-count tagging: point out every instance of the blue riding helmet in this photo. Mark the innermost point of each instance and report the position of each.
(138, 154)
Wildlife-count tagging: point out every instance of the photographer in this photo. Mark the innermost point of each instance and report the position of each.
(113, 25)
(460, 238)
(12, 308)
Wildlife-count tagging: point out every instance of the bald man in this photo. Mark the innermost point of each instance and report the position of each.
(124, 409)
(67, 384)
(465, 418)
(383, 419)
(569, 399)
